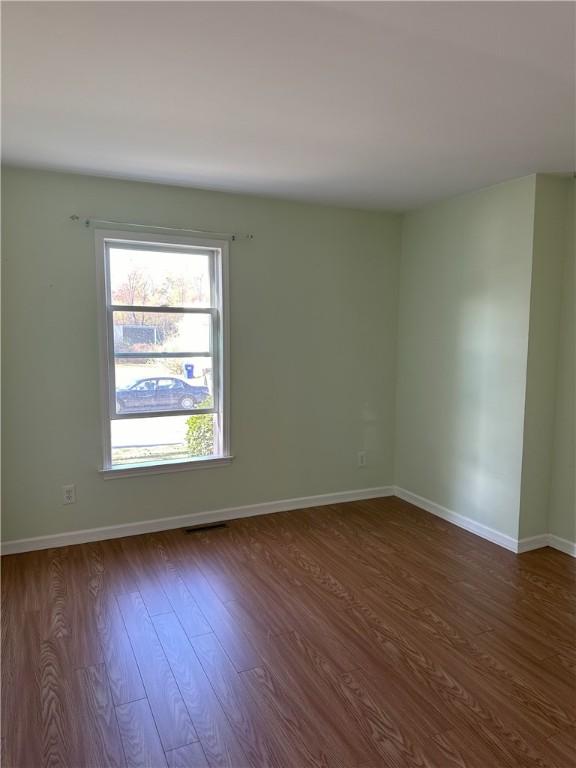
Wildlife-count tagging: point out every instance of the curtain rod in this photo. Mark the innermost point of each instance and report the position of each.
(231, 235)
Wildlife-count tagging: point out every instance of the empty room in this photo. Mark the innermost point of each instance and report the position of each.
(288, 385)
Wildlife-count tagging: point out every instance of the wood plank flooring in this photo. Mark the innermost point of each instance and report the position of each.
(360, 635)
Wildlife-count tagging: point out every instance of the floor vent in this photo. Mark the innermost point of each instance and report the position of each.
(205, 527)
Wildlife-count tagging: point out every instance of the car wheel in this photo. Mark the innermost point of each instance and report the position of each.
(187, 403)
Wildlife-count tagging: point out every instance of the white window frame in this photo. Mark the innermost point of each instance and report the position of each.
(219, 348)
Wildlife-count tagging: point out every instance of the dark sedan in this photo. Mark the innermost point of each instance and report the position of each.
(160, 394)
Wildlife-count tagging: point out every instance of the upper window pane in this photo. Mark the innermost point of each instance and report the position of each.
(160, 277)
(161, 332)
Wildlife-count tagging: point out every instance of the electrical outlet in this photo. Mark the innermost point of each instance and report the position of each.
(69, 494)
(361, 458)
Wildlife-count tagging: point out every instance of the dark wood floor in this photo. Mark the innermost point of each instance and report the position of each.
(357, 635)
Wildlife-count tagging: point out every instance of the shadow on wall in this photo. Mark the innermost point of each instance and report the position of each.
(464, 313)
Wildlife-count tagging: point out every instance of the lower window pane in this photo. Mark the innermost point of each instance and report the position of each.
(163, 384)
(162, 439)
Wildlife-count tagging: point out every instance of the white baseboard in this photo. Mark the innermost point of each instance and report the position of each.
(547, 540)
(182, 521)
(564, 545)
(284, 505)
(508, 542)
(533, 542)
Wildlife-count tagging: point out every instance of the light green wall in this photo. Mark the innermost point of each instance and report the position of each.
(478, 353)
(551, 219)
(562, 506)
(313, 315)
(462, 352)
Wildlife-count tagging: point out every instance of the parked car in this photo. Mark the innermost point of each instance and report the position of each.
(160, 394)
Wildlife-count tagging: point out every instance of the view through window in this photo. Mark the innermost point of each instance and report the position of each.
(163, 340)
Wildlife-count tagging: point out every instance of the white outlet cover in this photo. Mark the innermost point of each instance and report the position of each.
(69, 494)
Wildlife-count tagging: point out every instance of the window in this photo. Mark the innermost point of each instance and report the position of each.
(164, 351)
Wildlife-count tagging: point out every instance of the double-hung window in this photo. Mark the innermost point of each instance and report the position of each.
(163, 339)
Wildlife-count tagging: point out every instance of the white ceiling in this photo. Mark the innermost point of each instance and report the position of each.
(366, 104)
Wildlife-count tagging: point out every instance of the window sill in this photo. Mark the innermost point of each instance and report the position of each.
(131, 470)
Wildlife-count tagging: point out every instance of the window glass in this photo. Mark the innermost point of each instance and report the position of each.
(170, 384)
(143, 386)
(152, 332)
(157, 440)
(164, 318)
(169, 278)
